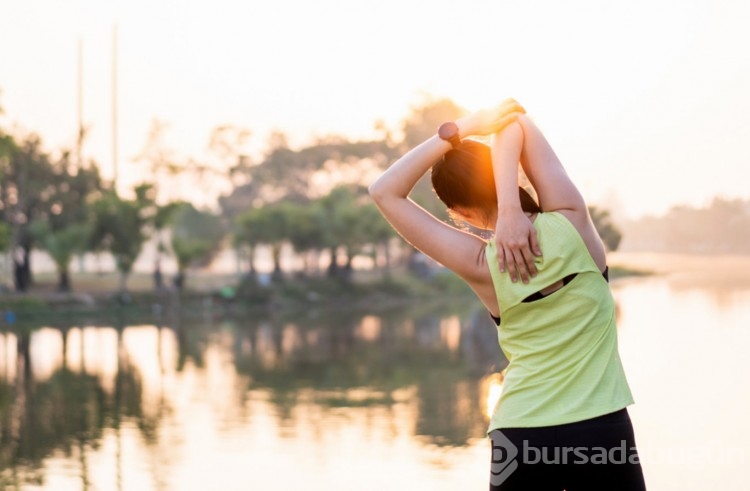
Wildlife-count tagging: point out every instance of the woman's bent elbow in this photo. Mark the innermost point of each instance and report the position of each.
(375, 190)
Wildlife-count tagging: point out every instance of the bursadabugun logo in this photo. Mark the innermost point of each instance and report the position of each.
(504, 455)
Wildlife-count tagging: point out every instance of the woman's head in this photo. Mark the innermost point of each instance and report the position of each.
(464, 181)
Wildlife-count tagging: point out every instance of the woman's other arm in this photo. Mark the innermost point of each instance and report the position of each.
(555, 189)
(515, 235)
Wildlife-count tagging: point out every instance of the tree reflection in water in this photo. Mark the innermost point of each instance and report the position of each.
(68, 392)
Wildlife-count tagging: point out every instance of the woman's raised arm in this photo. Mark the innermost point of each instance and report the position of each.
(515, 235)
(453, 248)
(555, 189)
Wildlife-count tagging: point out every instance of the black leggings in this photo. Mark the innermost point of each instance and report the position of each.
(594, 454)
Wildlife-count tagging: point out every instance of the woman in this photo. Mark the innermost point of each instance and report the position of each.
(561, 421)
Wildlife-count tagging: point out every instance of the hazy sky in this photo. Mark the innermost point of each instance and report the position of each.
(646, 102)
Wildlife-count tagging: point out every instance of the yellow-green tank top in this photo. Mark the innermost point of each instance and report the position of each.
(564, 362)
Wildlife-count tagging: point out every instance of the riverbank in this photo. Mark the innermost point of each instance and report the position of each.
(97, 295)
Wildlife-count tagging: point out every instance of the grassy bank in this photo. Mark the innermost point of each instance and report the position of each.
(96, 295)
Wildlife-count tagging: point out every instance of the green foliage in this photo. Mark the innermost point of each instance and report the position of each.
(351, 221)
(345, 218)
(311, 198)
(306, 226)
(282, 205)
(26, 188)
(41, 198)
(196, 236)
(119, 227)
(339, 212)
(23, 304)
(164, 213)
(609, 233)
(269, 225)
(62, 244)
(4, 236)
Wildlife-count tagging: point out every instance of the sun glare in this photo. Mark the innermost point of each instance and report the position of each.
(492, 388)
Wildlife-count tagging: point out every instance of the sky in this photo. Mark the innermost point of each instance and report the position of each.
(646, 102)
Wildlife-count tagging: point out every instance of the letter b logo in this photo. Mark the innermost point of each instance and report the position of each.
(503, 458)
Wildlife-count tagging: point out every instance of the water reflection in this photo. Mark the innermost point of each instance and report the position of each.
(123, 397)
(343, 400)
(61, 389)
(366, 361)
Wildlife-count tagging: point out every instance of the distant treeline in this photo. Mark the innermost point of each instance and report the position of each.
(721, 228)
(311, 201)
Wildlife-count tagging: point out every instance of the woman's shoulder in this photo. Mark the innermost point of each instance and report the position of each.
(559, 221)
(579, 224)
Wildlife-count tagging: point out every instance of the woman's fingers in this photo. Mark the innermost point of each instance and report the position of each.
(514, 265)
(510, 265)
(534, 243)
(510, 105)
(504, 121)
(528, 261)
(518, 262)
(492, 120)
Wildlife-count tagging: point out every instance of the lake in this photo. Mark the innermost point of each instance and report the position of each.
(338, 400)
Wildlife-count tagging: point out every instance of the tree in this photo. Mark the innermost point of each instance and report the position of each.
(35, 188)
(161, 219)
(272, 228)
(350, 221)
(268, 225)
(245, 234)
(7, 148)
(196, 236)
(25, 187)
(62, 245)
(377, 231)
(119, 227)
(63, 224)
(609, 233)
(306, 229)
(4, 237)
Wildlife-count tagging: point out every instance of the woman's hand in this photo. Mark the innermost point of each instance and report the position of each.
(515, 235)
(490, 120)
(516, 244)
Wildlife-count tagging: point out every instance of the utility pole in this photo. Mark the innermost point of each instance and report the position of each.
(114, 107)
(79, 141)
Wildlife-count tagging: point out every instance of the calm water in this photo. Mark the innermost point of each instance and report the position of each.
(394, 400)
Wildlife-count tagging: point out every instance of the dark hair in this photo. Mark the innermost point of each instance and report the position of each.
(464, 178)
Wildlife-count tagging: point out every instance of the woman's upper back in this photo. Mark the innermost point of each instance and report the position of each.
(564, 253)
(564, 365)
(573, 228)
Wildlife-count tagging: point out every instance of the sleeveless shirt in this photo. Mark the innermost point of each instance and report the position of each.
(564, 365)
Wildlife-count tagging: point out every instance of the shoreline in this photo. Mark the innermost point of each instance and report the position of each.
(94, 295)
